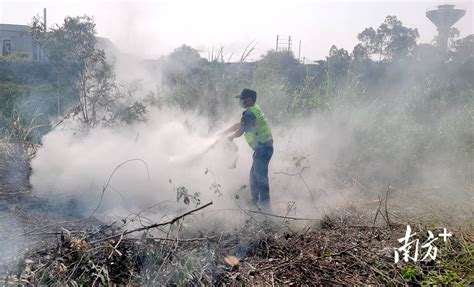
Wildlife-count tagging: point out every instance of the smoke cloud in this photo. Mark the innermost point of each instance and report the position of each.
(317, 166)
(179, 152)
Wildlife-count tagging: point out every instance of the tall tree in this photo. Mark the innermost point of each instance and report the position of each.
(391, 40)
(360, 53)
(281, 64)
(463, 49)
(72, 49)
(337, 64)
(182, 63)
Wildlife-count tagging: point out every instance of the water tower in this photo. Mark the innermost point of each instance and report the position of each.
(444, 18)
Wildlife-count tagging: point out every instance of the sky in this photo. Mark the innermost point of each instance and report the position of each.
(150, 29)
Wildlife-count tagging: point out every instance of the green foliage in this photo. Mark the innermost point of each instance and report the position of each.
(410, 108)
(135, 113)
(215, 186)
(184, 271)
(14, 57)
(182, 62)
(72, 50)
(194, 84)
(453, 267)
(281, 65)
(308, 98)
(391, 40)
(25, 71)
(338, 62)
(83, 74)
(449, 278)
(183, 193)
(45, 280)
(409, 111)
(9, 95)
(24, 110)
(410, 274)
(463, 55)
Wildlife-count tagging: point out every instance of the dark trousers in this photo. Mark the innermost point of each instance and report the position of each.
(259, 186)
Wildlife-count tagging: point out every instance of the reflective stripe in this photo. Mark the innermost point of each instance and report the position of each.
(261, 132)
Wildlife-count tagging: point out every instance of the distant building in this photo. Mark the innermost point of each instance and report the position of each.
(17, 39)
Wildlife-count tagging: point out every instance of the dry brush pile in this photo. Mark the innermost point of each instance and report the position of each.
(342, 249)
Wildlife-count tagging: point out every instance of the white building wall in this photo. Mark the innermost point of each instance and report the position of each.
(16, 39)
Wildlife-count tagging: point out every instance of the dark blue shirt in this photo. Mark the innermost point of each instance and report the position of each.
(247, 122)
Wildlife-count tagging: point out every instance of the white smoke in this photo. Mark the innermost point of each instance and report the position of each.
(178, 151)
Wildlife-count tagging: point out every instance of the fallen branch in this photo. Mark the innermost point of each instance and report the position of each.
(281, 216)
(183, 240)
(153, 225)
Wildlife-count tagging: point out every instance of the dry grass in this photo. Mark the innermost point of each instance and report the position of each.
(343, 249)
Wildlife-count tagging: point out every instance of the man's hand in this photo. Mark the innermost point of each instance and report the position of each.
(237, 134)
(233, 128)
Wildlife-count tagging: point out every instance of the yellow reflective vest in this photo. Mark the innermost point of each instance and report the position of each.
(261, 131)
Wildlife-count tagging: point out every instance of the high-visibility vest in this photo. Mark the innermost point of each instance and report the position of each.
(261, 131)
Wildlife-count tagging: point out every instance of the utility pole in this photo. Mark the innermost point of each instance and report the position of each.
(299, 52)
(44, 20)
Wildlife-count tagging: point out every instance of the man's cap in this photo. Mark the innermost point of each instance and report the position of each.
(247, 93)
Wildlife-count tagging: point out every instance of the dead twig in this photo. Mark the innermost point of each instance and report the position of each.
(386, 211)
(282, 216)
(299, 174)
(384, 215)
(153, 225)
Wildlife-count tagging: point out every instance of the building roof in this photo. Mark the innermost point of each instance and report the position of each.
(13, 27)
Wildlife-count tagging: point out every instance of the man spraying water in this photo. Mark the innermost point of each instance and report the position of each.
(259, 137)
